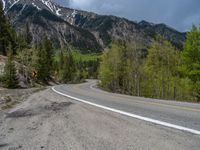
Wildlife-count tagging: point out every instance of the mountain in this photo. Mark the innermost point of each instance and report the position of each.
(42, 18)
(87, 31)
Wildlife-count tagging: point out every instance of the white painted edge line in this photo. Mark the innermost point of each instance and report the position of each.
(130, 114)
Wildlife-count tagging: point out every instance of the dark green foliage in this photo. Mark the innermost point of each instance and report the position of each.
(28, 35)
(24, 39)
(7, 35)
(44, 62)
(10, 75)
(67, 67)
(21, 41)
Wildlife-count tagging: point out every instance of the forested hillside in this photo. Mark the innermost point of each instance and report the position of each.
(164, 72)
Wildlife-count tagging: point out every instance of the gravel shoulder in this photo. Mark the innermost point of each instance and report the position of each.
(49, 121)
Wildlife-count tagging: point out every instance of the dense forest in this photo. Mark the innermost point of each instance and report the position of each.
(158, 71)
(162, 72)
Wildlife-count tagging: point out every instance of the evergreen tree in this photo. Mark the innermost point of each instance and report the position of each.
(7, 35)
(41, 63)
(191, 59)
(67, 67)
(25, 57)
(44, 60)
(48, 48)
(28, 35)
(22, 43)
(10, 75)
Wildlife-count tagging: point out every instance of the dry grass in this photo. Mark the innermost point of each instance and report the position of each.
(10, 97)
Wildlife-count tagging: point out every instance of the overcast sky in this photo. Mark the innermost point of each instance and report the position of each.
(180, 14)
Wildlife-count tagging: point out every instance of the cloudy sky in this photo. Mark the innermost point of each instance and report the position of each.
(179, 14)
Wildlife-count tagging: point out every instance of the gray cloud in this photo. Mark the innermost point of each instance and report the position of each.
(180, 14)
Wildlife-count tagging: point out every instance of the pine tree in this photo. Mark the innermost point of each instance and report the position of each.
(44, 60)
(7, 34)
(41, 63)
(22, 43)
(10, 75)
(67, 69)
(48, 48)
(28, 35)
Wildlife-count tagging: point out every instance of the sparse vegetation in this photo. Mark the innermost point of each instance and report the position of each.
(10, 79)
(11, 97)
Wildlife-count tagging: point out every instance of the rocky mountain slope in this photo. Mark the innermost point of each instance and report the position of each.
(85, 30)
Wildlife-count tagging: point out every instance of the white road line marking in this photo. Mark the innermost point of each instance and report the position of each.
(130, 114)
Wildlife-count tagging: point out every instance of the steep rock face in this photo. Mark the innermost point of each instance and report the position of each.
(39, 4)
(175, 37)
(85, 30)
(42, 22)
(111, 28)
(108, 28)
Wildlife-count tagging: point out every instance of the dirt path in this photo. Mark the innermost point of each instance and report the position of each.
(52, 122)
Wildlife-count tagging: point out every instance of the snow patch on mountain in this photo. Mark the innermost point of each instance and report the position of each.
(4, 4)
(36, 6)
(48, 4)
(22, 9)
(71, 18)
(74, 13)
(52, 6)
(58, 12)
(39, 4)
(15, 2)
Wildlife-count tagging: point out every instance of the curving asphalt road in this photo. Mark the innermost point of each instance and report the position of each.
(179, 115)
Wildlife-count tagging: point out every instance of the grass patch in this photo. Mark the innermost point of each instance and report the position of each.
(12, 97)
(85, 57)
(78, 56)
(9, 105)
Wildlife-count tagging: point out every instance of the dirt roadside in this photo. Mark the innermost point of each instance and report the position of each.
(52, 122)
(9, 98)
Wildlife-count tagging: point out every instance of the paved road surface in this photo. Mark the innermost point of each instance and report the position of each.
(181, 114)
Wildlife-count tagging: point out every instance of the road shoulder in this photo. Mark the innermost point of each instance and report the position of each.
(48, 121)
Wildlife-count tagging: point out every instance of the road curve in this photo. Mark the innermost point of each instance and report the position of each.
(179, 115)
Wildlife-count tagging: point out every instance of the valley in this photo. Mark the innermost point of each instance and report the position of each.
(77, 74)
